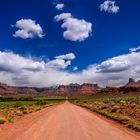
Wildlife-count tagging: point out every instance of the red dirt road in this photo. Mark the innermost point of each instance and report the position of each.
(64, 122)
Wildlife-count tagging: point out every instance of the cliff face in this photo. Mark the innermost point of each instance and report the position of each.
(130, 87)
(6, 90)
(73, 89)
(69, 90)
(89, 88)
(3, 87)
(64, 90)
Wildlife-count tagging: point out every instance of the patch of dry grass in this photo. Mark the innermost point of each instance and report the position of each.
(12, 109)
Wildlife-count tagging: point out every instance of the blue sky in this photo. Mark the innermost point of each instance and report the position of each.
(88, 38)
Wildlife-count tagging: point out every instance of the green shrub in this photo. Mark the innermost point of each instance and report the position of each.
(41, 102)
(18, 104)
(2, 120)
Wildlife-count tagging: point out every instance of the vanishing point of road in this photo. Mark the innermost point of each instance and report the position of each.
(65, 122)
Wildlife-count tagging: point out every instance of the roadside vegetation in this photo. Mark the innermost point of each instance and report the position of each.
(14, 107)
(125, 110)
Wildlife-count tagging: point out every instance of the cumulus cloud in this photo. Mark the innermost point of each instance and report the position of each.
(28, 28)
(61, 61)
(58, 64)
(109, 6)
(18, 70)
(22, 71)
(117, 70)
(60, 6)
(13, 63)
(63, 16)
(69, 56)
(76, 29)
(113, 65)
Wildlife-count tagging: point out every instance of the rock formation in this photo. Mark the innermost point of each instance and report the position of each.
(73, 89)
(64, 90)
(131, 81)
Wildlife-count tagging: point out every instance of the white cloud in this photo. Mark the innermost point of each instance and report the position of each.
(116, 71)
(61, 61)
(76, 29)
(22, 71)
(134, 49)
(28, 28)
(69, 56)
(58, 64)
(109, 6)
(12, 62)
(63, 16)
(113, 65)
(75, 68)
(60, 6)
(32, 72)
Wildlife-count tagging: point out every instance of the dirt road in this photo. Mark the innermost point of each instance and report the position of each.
(64, 122)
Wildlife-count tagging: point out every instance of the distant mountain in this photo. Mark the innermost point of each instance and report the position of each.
(73, 89)
(6, 90)
(62, 90)
(131, 87)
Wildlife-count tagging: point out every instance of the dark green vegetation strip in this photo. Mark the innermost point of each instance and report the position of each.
(125, 110)
(11, 107)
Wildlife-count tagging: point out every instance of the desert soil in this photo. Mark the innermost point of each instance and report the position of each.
(65, 122)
